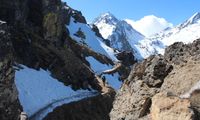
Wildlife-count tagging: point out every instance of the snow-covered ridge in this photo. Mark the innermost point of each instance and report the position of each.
(192, 20)
(124, 37)
(96, 44)
(186, 32)
(107, 18)
(40, 93)
(98, 68)
(87, 36)
(106, 24)
(143, 47)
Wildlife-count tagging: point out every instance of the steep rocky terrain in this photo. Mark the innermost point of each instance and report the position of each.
(9, 104)
(175, 76)
(34, 33)
(158, 88)
(50, 38)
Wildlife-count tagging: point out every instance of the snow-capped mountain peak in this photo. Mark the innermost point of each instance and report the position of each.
(106, 24)
(122, 36)
(195, 17)
(106, 18)
(186, 32)
(192, 20)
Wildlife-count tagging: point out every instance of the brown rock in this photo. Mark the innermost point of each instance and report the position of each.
(133, 101)
(182, 79)
(170, 108)
(152, 71)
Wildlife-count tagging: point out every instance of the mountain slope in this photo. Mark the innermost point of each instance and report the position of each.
(186, 32)
(176, 75)
(124, 37)
(121, 35)
(55, 47)
(106, 24)
(89, 38)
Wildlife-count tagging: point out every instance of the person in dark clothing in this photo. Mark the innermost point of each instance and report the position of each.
(104, 80)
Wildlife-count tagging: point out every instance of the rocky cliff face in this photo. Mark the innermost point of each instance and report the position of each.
(133, 101)
(174, 76)
(34, 34)
(40, 39)
(120, 34)
(9, 104)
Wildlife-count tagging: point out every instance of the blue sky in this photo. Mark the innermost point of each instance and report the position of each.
(174, 11)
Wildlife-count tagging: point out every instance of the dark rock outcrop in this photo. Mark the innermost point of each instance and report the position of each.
(38, 38)
(126, 57)
(152, 71)
(70, 12)
(133, 101)
(179, 53)
(9, 104)
(175, 73)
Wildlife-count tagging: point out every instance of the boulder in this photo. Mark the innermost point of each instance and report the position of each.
(179, 53)
(152, 70)
(126, 57)
(133, 101)
(170, 108)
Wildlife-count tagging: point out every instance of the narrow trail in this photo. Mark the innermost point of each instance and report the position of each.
(40, 114)
(113, 70)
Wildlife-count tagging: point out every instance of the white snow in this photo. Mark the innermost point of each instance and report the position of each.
(157, 43)
(186, 32)
(106, 30)
(93, 42)
(37, 90)
(143, 47)
(106, 24)
(147, 47)
(98, 68)
(109, 51)
(2, 22)
(61, 102)
(185, 35)
(192, 20)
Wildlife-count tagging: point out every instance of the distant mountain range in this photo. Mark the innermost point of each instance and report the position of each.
(123, 36)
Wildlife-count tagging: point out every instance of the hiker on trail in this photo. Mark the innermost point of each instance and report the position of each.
(104, 80)
(23, 116)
